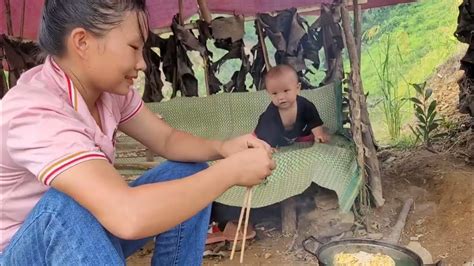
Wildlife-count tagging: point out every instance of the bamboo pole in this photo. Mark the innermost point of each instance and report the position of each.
(361, 127)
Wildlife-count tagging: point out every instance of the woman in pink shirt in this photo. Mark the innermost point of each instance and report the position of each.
(62, 202)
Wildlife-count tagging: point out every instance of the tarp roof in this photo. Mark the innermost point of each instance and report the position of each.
(162, 11)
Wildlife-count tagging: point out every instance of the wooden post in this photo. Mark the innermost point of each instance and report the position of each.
(288, 216)
(204, 11)
(8, 17)
(181, 12)
(264, 46)
(205, 15)
(361, 127)
(358, 28)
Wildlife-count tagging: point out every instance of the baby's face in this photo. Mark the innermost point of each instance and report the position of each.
(283, 90)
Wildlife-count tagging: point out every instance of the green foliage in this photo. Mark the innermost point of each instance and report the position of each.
(387, 66)
(423, 31)
(425, 112)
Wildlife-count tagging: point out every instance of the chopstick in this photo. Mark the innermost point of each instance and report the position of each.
(245, 210)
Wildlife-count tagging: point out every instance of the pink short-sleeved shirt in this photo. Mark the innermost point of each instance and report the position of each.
(46, 129)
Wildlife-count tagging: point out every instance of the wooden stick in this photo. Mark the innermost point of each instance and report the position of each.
(357, 27)
(249, 204)
(205, 60)
(205, 15)
(181, 12)
(394, 236)
(264, 46)
(241, 217)
(204, 11)
(8, 17)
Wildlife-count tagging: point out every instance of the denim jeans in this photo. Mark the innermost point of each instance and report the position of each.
(59, 231)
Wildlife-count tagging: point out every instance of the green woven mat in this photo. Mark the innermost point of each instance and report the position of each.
(227, 115)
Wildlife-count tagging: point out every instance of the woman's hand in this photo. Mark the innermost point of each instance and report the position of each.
(249, 167)
(242, 143)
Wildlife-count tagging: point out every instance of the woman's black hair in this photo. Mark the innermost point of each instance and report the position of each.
(60, 17)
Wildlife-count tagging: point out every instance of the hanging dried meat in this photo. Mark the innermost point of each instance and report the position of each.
(294, 44)
(176, 64)
(228, 33)
(204, 35)
(153, 83)
(327, 33)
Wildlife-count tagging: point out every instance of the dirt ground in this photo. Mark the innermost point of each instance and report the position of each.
(443, 214)
(442, 218)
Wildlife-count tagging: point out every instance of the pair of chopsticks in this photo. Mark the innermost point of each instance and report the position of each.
(245, 209)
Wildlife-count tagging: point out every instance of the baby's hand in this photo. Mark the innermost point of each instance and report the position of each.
(320, 135)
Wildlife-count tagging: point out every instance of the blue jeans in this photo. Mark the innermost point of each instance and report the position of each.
(59, 231)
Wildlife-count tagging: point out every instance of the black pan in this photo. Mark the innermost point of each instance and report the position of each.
(325, 252)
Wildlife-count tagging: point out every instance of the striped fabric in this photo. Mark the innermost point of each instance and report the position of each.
(56, 167)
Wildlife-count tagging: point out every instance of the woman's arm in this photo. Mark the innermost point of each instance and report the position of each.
(147, 210)
(173, 144)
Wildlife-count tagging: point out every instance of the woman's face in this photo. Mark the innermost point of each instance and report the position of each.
(111, 62)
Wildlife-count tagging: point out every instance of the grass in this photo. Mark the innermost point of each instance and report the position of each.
(424, 32)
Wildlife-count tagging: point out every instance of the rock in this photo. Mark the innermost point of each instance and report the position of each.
(420, 222)
(390, 159)
(326, 223)
(421, 251)
(267, 255)
(469, 263)
(414, 238)
(360, 232)
(376, 236)
(375, 226)
(326, 200)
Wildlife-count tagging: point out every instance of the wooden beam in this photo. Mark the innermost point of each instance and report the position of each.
(361, 126)
(301, 10)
